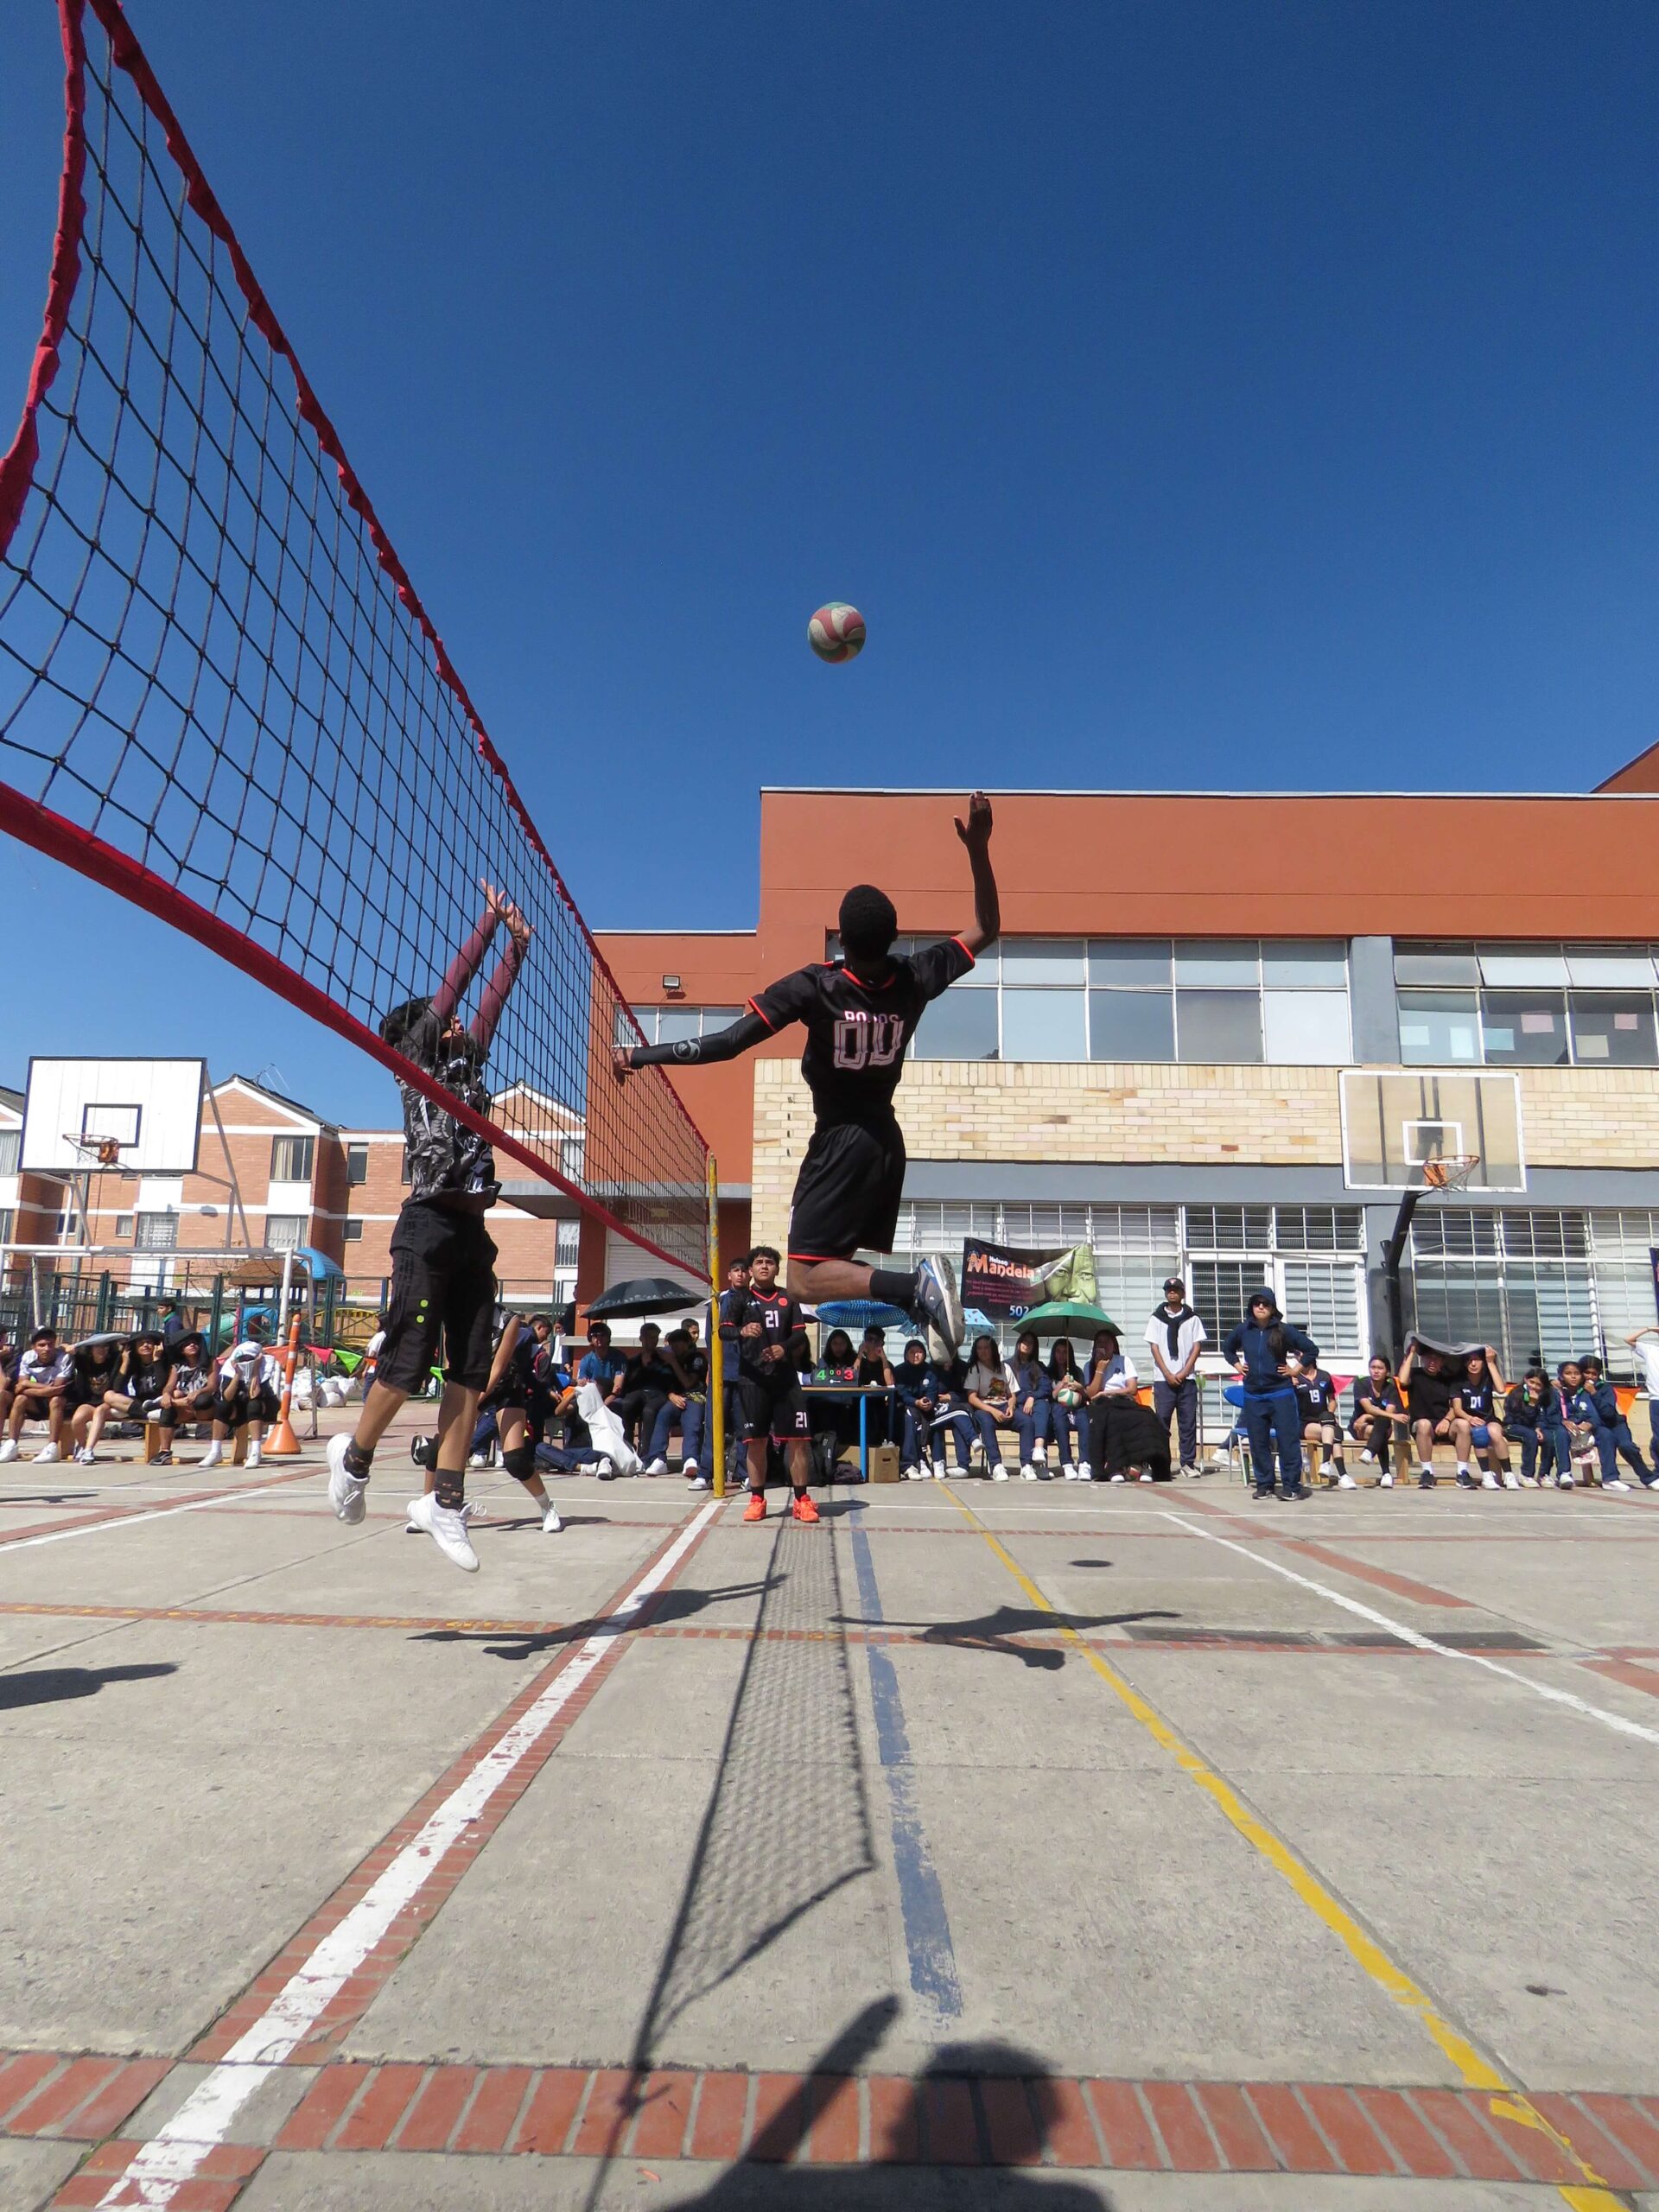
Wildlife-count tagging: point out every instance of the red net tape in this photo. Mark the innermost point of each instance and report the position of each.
(221, 695)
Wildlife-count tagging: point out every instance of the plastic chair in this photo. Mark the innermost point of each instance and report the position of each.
(1238, 1442)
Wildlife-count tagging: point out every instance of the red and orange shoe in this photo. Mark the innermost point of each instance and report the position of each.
(803, 1509)
(756, 1508)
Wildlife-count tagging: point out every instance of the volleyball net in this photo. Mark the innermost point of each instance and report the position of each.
(221, 695)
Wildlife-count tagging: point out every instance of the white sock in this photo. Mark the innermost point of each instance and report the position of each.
(1464, 1467)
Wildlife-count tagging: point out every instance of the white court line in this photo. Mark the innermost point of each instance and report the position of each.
(135, 1520)
(1420, 1642)
(161, 2167)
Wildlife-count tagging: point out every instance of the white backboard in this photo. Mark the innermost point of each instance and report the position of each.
(154, 1107)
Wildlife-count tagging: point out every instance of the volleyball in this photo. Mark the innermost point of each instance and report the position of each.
(1068, 1393)
(836, 631)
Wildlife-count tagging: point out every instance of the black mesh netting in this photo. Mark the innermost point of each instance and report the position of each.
(212, 665)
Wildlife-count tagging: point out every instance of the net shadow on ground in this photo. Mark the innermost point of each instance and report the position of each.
(994, 2095)
(787, 1824)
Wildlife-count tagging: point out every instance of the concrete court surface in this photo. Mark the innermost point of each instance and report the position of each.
(997, 1845)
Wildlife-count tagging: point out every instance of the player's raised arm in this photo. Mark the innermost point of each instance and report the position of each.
(780, 1003)
(976, 834)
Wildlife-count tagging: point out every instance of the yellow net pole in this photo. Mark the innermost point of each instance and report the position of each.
(716, 1444)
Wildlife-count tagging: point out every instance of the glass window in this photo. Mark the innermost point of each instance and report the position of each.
(357, 1163)
(10, 1147)
(675, 1022)
(1131, 1026)
(719, 1017)
(403, 1165)
(1524, 1028)
(1227, 963)
(1129, 963)
(290, 1159)
(157, 1232)
(1029, 960)
(1219, 1026)
(1305, 1027)
(622, 1027)
(1611, 965)
(123, 1225)
(1309, 964)
(567, 1244)
(285, 1232)
(1324, 1300)
(1439, 1028)
(1043, 1025)
(961, 1026)
(1612, 1028)
(1218, 1291)
(572, 1157)
(1522, 965)
(351, 1232)
(1436, 964)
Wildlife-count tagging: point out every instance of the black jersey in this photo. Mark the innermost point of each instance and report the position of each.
(1479, 1398)
(446, 1159)
(780, 1316)
(857, 1033)
(146, 1378)
(1317, 1395)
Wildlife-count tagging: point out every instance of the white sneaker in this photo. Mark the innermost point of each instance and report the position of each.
(347, 1494)
(913, 1475)
(1526, 1481)
(476, 1460)
(255, 1453)
(8, 1452)
(82, 1455)
(1385, 1481)
(1191, 1473)
(1146, 1475)
(1489, 1481)
(1564, 1481)
(1512, 1480)
(472, 1510)
(551, 1523)
(215, 1453)
(448, 1528)
(1345, 1481)
(999, 1472)
(689, 1469)
(1028, 1473)
(46, 1454)
(699, 1482)
(1615, 1484)
(657, 1467)
(1069, 1474)
(1117, 1479)
(939, 1474)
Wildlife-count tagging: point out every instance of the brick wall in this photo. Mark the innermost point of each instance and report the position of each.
(1227, 1116)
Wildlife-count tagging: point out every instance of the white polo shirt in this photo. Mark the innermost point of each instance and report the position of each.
(1188, 1337)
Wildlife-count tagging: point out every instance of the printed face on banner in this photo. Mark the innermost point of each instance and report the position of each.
(1003, 1279)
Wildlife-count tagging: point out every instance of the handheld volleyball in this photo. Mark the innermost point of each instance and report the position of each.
(1068, 1394)
(836, 631)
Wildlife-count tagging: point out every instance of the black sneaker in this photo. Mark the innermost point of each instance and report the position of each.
(1258, 1493)
(1466, 1482)
(1290, 1496)
(423, 1450)
(1426, 1480)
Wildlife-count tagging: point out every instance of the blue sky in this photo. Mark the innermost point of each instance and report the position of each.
(1189, 394)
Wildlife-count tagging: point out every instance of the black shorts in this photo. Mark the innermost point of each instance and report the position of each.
(233, 1407)
(847, 1192)
(443, 1289)
(775, 1409)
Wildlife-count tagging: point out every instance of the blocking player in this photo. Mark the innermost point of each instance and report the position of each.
(860, 1013)
(442, 1257)
(772, 1348)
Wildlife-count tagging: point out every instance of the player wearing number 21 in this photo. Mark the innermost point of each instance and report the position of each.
(860, 1013)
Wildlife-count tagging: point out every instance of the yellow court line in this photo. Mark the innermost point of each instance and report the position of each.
(1508, 2101)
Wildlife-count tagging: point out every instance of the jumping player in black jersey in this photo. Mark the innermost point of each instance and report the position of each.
(442, 1258)
(860, 1013)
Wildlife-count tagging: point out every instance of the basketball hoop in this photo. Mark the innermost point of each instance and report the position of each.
(97, 1152)
(1452, 1172)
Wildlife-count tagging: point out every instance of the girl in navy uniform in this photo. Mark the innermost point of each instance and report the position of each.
(1321, 1417)
(1479, 1400)
(1379, 1418)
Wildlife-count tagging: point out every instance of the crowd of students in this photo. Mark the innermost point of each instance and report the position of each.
(168, 1379)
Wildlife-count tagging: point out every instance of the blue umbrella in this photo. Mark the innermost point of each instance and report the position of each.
(862, 1313)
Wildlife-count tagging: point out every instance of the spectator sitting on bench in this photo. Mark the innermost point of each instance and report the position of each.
(8, 1372)
(1578, 1417)
(1532, 1421)
(646, 1381)
(875, 1372)
(1480, 1399)
(1613, 1440)
(1379, 1418)
(1428, 1383)
(96, 1390)
(1321, 1417)
(247, 1393)
(41, 1392)
(189, 1396)
(685, 1406)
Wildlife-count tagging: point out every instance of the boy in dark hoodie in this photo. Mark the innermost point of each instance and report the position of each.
(1613, 1440)
(1260, 1348)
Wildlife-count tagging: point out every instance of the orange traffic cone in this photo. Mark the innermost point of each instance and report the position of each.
(282, 1443)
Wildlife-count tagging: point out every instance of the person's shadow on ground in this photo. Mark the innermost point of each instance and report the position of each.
(993, 1631)
(989, 2102)
(51, 1685)
(659, 1612)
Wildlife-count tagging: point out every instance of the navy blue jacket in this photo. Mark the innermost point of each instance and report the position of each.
(1261, 1375)
(1607, 1405)
(1032, 1382)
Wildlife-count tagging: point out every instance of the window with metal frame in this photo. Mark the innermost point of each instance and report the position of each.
(156, 1232)
(291, 1159)
(1555, 1005)
(357, 1163)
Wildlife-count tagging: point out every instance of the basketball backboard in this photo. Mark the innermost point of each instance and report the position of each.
(1396, 1120)
(152, 1109)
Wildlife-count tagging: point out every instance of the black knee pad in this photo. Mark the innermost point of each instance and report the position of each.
(424, 1451)
(520, 1462)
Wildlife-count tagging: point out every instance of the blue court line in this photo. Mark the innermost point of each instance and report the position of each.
(921, 1901)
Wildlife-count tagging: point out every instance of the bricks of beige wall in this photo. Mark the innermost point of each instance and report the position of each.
(1230, 1117)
